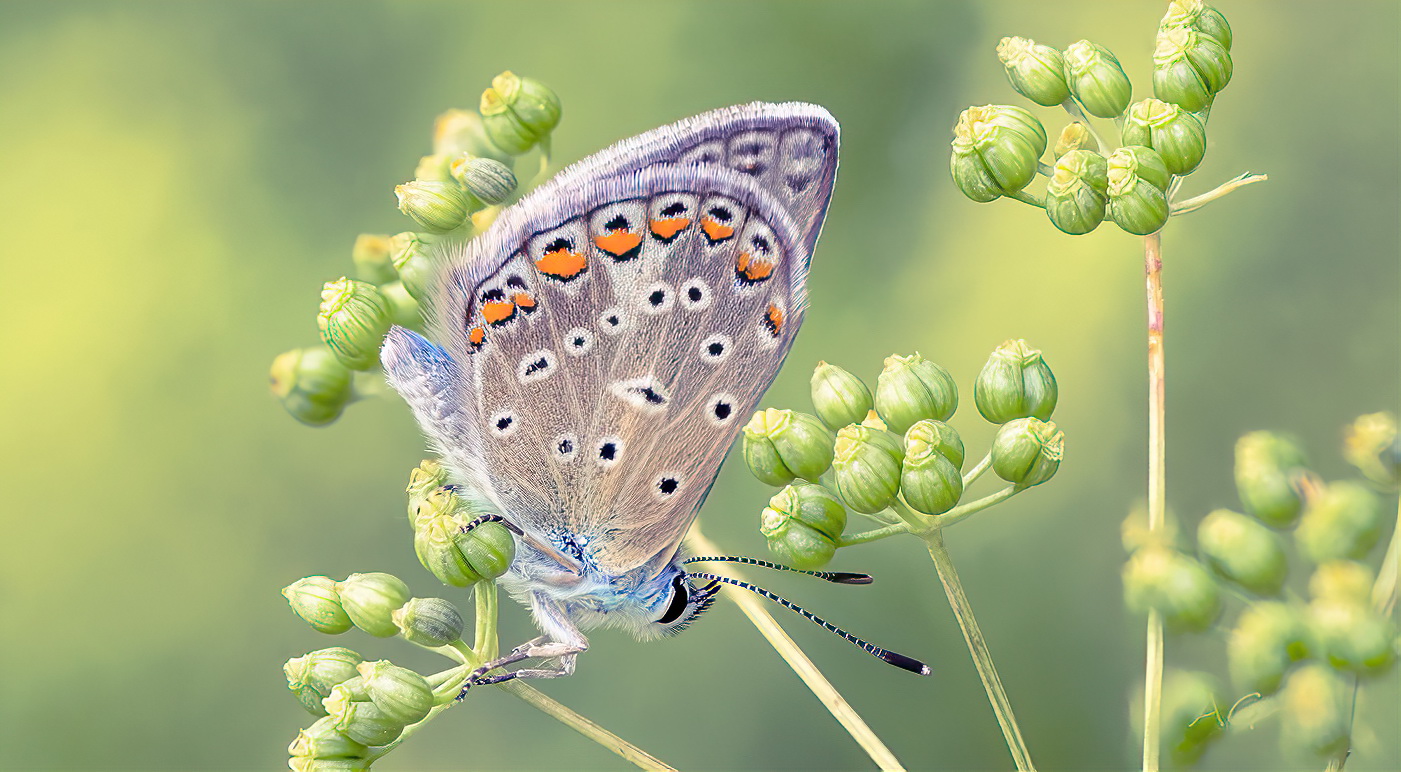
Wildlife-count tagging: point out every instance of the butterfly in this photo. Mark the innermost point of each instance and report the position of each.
(598, 348)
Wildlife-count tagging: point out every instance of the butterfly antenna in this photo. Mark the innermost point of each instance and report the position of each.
(835, 577)
(898, 660)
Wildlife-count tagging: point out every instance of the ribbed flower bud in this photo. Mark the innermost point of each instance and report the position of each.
(370, 599)
(1268, 638)
(911, 389)
(353, 320)
(839, 397)
(1027, 451)
(1176, 134)
(316, 600)
(930, 476)
(1266, 465)
(1142, 162)
(866, 469)
(519, 112)
(1037, 72)
(1136, 205)
(1199, 16)
(1352, 634)
(413, 259)
(459, 559)
(1239, 548)
(312, 384)
(1015, 383)
(462, 131)
(371, 258)
(307, 764)
(404, 310)
(1095, 78)
(1342, 580)
(1317, 715)
(429, 622)
(401, 693)
(438, 206)
(1159, 577)
(427, 477)
(312, 675)
(1189, 68)
(353, 714)
(781, 445)
(490, 181)
(802, 524)
(1371, 445)
(323, 742)
(1075, 136)
(1077, 192)
(1342, 521)
(995, 151)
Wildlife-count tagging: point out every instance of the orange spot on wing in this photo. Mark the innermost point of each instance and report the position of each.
(498, 311)
(562, 264)
(476, 336)
(669, 227)
(618, 242)
(714, 230)
(751, 269)
(774, 320)
(524, 301)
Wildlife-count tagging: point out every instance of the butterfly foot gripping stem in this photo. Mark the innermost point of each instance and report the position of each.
(539, 648)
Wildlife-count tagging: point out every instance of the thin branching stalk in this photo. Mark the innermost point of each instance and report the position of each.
(1197, 202)
(1157, 493)
(586, 727)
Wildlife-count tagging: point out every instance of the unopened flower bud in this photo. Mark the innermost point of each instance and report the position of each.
(1352, 634)
(1199, 16)
(1191, 718)
(1317, 715)
(1371, 445)
(866, 470)
(1075, 136)
(312, 676)
(1142, 162)
(802, 524)
(370, 599)
(930, 477)
(1239, 548)
(413, 259)
(322, 741)
(1266, 465)
(1037, 72)
(404, 310)
(781, 445)
(308, 764)
(456, 558)
(353, 320)
(939, 436)
(1268, 638)
(1077, 192)
(438, 206)
(1015, 383)
(519, 112)
(429, 622)
(434, 168)
(401, 693)
(1180, 588)
(427, 477)
(1095, 78)
(1175, 133)
(462, 131)
(1189, 68)
(911, 389)
(995, 151)
(312, 384)
(1136, 205)
(839, 397)
(371, 258)
(1342, 580)
(1027, 451)
(316, 600)
(489, 180)
(1342, 521)
(353, 714)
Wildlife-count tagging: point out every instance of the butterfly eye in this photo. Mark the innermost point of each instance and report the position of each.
(680, 598)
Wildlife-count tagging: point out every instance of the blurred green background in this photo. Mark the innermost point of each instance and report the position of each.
(179, 178)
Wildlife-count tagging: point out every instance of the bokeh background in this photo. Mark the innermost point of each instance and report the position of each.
(178, 179)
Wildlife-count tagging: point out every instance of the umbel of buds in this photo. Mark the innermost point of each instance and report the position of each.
(518, 112)
(1095, 78)
(839, 397)
(1015, 383)
(1037, 72)
(488, 180)
(1027, 451)
(1189, 67)
(353, 320)
(783, 445)
(1239, 548)
(1266, 466)
(1177, 135)
(438, 206)
(312, 384)
(312, 676)
(930, 475)
(1077, 192)
(803, 524)
(457, 557)
(911, 389)
(995, 151)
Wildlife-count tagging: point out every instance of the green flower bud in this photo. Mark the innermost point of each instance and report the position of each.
(370, 599)
(1266, 465)
(780, 445)
(1095, 78)
(1342, 580)
(490, 181)
(911, 389)
(438, 206)
(1371, 445)
(802, 524)
(1352, 635)
(1159, 577)
(322, 740)
(1268, 638)
(1342, 521)
(427, 477)
(865, 470)
(353, 714)
(1075, 136)
(930, 477)
(1027, 451)
(1317, 712)
(400, 693)
(414, 260)
(459, 559)
(839, 397)
(312, 675)
(519, 113)
(995, 151)
(1077, 192)
(434, 168)
(315, 599)
(487, 549)
(403, 309)
(429, 622)
(1199, 16)
(866, 433)
(1037, 72)
(1191, 717)
(1189, 68)
(1177, 135)
(462, 131)
(353, 320)
(1136, 205)
(311, 384)
(1239, 548)
(371, 258)
(307, 764)
(1142, 162)
(1015, 383)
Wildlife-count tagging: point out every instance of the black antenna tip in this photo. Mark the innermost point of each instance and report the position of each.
(905, 663)
(838, 577)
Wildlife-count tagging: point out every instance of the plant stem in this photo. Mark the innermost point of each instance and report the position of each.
(977, 647)
(486, 645)
(1027, 198)
(963, 511)
(1197, 202)
(872, 535)
(759, 616)
(1157, 493)
(586, 727)
(978, 470)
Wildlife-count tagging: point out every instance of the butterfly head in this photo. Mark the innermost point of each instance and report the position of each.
(682, 602)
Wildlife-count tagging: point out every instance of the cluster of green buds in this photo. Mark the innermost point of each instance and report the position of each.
(890, 454)
(1305, 646)
(456, 192)
(448, 543)
(998, 149)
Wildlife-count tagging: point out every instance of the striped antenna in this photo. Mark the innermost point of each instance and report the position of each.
(898, 660)
(835, 577)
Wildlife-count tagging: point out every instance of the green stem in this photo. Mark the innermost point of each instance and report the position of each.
(1229, 186)
(1044, 169)
(964, 511)
(586, 727)
(486, 644)
(978, 470)
(873, 535)
(1157, 493)
(1027, 198)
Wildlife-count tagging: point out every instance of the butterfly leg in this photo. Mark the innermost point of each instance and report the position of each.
(562, 641)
